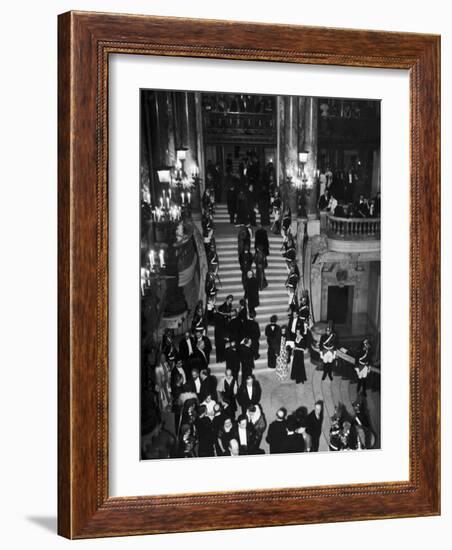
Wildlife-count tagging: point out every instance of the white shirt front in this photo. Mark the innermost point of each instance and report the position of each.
(249, 389)
(197, 384)
(190, 349)
(242, 436)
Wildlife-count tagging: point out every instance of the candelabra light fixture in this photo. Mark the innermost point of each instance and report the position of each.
(303, 178)
(177, 188)
(154, 268)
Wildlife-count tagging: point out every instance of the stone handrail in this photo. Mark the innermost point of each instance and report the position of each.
(353, 228)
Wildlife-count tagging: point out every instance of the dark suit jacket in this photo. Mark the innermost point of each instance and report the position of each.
(183, 348)
(197, 360)
(314, 425)
(208, 387)
(273, 334)
(250, 437)
(191, 387)
(246, 359)
(246, 261)
(251, 330)
(207, 347)
(244, 399)
(206, 436)
(235, 329)
(232, 359)
(252, 292)
(261, 240)
(276, 436)
(293, 443)
(299, 325)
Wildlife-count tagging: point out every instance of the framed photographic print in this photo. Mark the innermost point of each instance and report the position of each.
(248, 275)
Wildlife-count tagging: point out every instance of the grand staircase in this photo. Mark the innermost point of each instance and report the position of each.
(341, 392)
(273, 300)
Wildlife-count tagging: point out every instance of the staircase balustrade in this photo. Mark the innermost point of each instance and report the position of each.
(353, 228)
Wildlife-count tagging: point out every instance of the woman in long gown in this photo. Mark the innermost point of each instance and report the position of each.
(261, 263)
(298, 372)
(282, 361)
(243, 209)
(251, 291)
(162, 384)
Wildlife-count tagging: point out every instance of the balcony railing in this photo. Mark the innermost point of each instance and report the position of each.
(353, 228)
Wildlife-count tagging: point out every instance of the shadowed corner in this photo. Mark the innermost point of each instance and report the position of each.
(49, 523)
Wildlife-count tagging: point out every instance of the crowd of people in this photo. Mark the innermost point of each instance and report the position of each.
(200, 415)
(196, 414)
(363, 207)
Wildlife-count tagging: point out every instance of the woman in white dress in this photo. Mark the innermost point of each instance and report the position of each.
(163, 383)
(283, 359)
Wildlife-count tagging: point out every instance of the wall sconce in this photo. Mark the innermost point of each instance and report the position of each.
(303, 159)
(164, 175)
(181, 153)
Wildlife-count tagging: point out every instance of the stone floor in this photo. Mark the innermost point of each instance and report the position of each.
(340, 392)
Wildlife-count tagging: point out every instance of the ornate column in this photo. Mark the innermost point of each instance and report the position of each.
(200, 152)
(290, 132)
(187, 136)
(164, 134)
(310, 145)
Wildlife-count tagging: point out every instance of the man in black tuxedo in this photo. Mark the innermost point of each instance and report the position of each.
(186, 346)
(261, 240)
(246, 355)
(293, 442)
(206, 436)
(207, 344)
(249, 393)
(295, 323)
(252, 331)
(232, 201)
(198, 359)
(208, 385)
(226, 310)
(273, 335)
(235, 327)
(276, 435)
(194, 383)
(314, 425)
(246, 262)
(232, 359)
(245, 436)
(362, 208)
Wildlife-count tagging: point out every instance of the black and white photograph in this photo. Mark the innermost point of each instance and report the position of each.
(259, 274)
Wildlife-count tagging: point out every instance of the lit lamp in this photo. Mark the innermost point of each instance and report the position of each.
(164, 175)
(303, 159)
(181, 153)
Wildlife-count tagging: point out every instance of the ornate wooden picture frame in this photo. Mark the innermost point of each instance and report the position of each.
(86, 40)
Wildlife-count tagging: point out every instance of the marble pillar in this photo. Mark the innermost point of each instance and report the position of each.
(165, 131)
(288, 129)
(200, 183)
(310, 145)
(187, 136)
